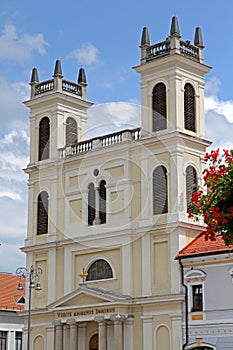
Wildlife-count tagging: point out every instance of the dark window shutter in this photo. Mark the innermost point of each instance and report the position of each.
(99, 270)
(159, 107)
(191, 185)
(102, 197)
(91, 204)
(42, 213)
(160, 198)
(197, 297)
(71, 131)
(189, 108)
(44, 135)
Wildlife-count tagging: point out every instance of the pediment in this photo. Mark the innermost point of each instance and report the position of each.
(86, 297)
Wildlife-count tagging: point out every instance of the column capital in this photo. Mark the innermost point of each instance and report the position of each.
(70, 321)
(57, 323)
(82, 325)
(99, 319)
(117, 317)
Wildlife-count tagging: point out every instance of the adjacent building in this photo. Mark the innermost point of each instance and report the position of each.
(108, 215)
(11, 322)
(207, 270)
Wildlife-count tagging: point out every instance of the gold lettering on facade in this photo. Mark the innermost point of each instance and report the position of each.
(86, 312)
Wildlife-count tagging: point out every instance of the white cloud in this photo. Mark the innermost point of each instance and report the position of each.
(13, 113)
(111, 117)
(86, 55)
(212, 86)
(212, 103)
(20, 47)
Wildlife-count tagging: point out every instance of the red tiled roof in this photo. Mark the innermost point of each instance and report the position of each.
(201, 246)
(9, 293)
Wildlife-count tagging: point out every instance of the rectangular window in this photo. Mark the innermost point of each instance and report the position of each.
(3, 340)
(18, 340)
(197, 298)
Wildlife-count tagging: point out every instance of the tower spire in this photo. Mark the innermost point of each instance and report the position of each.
(82, 76)
(198, 40)
(175, 26)
(57, 69)
(34, 76)
(145, 40)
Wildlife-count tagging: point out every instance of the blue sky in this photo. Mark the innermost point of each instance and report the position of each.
(103, 37)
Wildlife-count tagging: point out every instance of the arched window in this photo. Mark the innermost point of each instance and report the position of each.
(102, 198)
(71, 131)
(44, 136)
(189, 108)
(94, 342)
(42, 213)
(99, 270)
(160, 200)
(91, 203)
(159, 107)
(191, 185)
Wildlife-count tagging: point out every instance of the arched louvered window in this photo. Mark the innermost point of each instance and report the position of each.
(71, 131)
(99, 270)
(159, 107)
(102, 198)
(44, 136)
(189, 108)
(42, 213)
(160, 193)
(191, 185)
(91, 203)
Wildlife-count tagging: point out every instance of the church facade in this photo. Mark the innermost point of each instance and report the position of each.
(108, 215)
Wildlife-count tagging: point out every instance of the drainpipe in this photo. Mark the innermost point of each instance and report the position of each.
(186, 306)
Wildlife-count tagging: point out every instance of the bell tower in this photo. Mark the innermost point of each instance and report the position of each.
(172, 83)
(58, 113)
(172, 111)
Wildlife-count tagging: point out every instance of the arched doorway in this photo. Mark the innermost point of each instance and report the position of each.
(94, 342)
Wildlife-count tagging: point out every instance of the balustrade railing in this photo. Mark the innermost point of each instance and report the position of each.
(71, 87)
(45, 86)
(190, 50)
(158, 50)
(67, 86)
(100, 142)
(112, 139)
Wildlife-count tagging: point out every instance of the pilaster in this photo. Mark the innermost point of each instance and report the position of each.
(82, 335)
(147, 333)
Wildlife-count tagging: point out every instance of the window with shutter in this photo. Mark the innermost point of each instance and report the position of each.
(197, 297)
(44, 136)
(3, 340)
(102, 198)
(99, 270)
(91, 203)
(191, 185)
(160, 193)
(42, 213)
(159, 107)
(189, 108)
(71, 131)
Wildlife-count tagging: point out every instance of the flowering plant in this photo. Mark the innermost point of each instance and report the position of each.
(215, 205)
